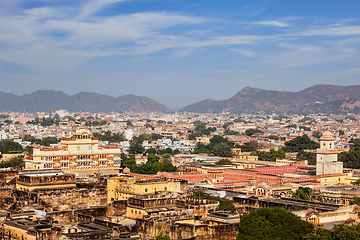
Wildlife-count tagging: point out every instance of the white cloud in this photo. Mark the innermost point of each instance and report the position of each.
(271, 23)
(333, 31)
(304, 55)
(243, 52)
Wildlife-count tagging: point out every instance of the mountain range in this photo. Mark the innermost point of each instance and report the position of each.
(327, 98)
(48, 100)
(315, 99)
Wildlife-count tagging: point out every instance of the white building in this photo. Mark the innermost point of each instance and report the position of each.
(76, 153)
(327, 156)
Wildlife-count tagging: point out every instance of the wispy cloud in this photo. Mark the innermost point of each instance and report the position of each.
(332, 31)
(271, 23)
(243, 52)
(304, 55)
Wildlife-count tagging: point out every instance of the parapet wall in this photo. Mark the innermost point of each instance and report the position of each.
(149, 229)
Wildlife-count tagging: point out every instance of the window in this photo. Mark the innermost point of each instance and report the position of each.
(132, 211)
(165, 188)
(145, 189)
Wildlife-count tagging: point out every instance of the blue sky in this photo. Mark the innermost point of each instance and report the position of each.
(177, 52)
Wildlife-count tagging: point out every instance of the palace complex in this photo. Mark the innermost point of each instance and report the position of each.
(79, 152)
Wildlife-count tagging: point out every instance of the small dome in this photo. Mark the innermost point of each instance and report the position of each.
(126, 170)
(327, 136)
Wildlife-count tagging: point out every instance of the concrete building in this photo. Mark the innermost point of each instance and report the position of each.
(327, 156)
(123, 187)
(80, 152)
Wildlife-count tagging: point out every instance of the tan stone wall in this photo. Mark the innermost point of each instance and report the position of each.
(75, 199)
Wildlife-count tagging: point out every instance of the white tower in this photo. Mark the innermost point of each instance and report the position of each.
(327, 156)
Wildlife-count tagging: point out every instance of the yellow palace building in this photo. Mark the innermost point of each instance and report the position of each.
(80, 152)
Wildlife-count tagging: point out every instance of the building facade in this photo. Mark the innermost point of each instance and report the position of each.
(327, 156)
(80, 152)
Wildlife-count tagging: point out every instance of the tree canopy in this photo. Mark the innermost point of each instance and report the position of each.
(224, 204)
(17, 161)
(7, 146)
(107, 136)
(270, 156)
(273, 223)
(300, 143)
(250, 132)
(152, 166)
(351, 158)
(136, 147)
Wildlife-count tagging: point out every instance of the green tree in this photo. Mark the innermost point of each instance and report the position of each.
(17, 161)
(161, 237)
(136, 147)
(224, 204)
(29, 150)
(317, 134)
(250, 132)
(351, 158)
(46, 141)
(273, 223)
(250, 146)
(224, 161)
(129, 123)
(306, 193)
(310, 156)
(222, 150)
(7, 146)
(300, 143)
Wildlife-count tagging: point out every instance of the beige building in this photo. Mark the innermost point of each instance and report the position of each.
(342, 214)
(80, 152)
(45, 180)
(123, 187)
(327, 156)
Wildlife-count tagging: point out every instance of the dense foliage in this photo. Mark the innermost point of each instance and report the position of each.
(224, 204)
(270, 156)
(107, 136)
(273, 223)
(152, 166)
(136, 147)
(17, 161)
(45, 121)
(218, 146)
(351, 159)
(224, 161)
(45, 141)
(300, 143)
(161, 237)
(340, 232)
(250, 146)
(149, 137)
(7, 146)
(306, 193)
(310, 156)
(250, 132)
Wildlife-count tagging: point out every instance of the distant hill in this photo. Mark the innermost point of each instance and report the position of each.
(48, 100)
(250, 100)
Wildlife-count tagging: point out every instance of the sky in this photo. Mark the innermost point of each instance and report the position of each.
(177, 52)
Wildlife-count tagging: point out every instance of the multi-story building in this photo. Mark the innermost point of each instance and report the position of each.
(123, 187)
(327, 156)
(80, 152)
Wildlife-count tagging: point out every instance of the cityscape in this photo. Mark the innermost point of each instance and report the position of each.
(82, 175)
(179, 120)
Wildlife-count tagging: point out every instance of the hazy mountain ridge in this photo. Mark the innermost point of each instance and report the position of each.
(250, 100)
(48, 100)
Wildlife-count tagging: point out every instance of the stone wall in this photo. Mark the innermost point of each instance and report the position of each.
(148, 229)
(75, 199)
(117, 208)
